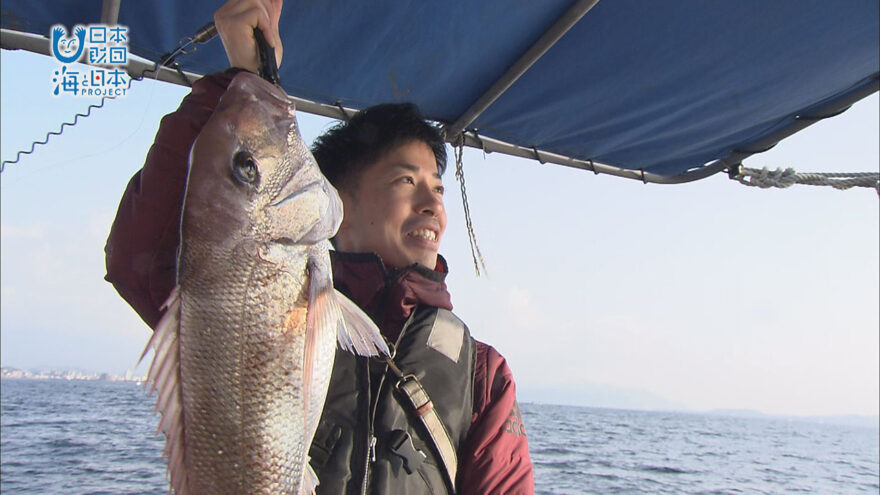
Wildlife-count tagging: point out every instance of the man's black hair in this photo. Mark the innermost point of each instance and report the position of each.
(348, 148)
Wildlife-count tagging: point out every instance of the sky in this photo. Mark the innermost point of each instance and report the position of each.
(601, 290)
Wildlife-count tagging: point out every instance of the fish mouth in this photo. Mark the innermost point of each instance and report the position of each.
(291, 191)
(284, 241)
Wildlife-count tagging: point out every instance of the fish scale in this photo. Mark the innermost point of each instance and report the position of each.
(245, 349)
(267, 420)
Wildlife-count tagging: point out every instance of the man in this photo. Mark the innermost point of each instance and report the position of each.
(387, 164)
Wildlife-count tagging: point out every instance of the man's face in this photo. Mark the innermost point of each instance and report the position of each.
(396, 208)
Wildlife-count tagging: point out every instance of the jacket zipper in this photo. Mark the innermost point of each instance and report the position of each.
(371, 439)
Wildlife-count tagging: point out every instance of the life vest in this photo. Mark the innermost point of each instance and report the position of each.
(369, 440)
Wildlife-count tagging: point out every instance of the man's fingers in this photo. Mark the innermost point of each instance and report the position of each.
(275, 16)
(275, 31)
(236, 20)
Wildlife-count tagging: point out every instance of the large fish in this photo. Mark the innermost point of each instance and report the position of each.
(244, 351)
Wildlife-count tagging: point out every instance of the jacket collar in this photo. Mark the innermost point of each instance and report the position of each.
(389, 297)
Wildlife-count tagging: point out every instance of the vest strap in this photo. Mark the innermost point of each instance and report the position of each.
(423, 408)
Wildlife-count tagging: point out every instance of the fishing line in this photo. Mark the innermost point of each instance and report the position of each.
(185, 46)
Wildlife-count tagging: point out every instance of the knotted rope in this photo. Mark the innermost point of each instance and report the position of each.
(782, 178)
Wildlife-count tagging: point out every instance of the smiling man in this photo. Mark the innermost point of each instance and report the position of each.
(441, 415)
(401, 206)
(386, 165)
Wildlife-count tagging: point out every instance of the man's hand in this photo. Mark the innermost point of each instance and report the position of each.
(235, 22)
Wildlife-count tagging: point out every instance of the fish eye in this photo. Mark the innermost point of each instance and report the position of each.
(244, 167)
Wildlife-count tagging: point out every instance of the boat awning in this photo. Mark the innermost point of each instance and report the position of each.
(658, 91)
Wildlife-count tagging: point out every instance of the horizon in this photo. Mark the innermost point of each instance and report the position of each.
(708, 294)
(863, 420)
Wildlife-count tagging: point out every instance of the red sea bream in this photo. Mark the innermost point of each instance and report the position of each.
(244, 351)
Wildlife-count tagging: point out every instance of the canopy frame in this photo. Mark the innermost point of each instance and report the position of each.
(110, 11)
(546, 41)
(13, 40)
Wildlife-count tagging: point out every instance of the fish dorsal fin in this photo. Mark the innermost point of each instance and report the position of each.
(164, 378)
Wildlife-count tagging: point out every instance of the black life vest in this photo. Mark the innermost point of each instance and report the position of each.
(368, 440)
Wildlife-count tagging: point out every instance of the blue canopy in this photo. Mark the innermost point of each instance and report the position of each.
(662, 91)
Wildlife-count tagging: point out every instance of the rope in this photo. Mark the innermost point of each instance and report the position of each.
(765, 178)
(472, 237)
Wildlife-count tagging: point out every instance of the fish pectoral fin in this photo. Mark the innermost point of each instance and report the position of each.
(358, 333)
(330, 310)
(309, 482)
(164, 378)
(323, 316)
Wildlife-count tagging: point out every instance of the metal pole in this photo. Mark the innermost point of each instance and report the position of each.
(110, 12)
(538, 49)
(490, 145)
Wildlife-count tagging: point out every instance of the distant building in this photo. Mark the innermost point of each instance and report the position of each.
(15, 373)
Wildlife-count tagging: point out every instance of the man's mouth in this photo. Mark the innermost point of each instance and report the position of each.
(426, 234)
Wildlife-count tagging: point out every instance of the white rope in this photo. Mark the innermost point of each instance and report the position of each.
(765, 178)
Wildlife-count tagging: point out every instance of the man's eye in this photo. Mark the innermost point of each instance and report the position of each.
(407, 180)
(440, 190)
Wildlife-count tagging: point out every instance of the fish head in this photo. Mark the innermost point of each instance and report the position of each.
(252, 177)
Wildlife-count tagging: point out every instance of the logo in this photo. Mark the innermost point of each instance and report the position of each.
(106, 50)
(514, 423)
(68, 50)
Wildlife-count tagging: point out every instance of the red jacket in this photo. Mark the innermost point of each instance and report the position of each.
(141, 265)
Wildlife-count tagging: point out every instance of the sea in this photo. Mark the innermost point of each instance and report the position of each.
(99, 437)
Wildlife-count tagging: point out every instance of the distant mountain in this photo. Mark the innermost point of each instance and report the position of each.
(606, 396)
(593, 395)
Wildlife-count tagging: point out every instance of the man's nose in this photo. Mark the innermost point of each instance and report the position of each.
(429, 202)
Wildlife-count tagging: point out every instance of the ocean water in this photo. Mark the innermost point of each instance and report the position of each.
(78, 437)
(590, 450)
(92, 437)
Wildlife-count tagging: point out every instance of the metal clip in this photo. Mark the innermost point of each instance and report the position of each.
(405, 378)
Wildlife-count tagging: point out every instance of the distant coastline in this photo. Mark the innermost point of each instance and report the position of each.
(585, 397)
(11, 373)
